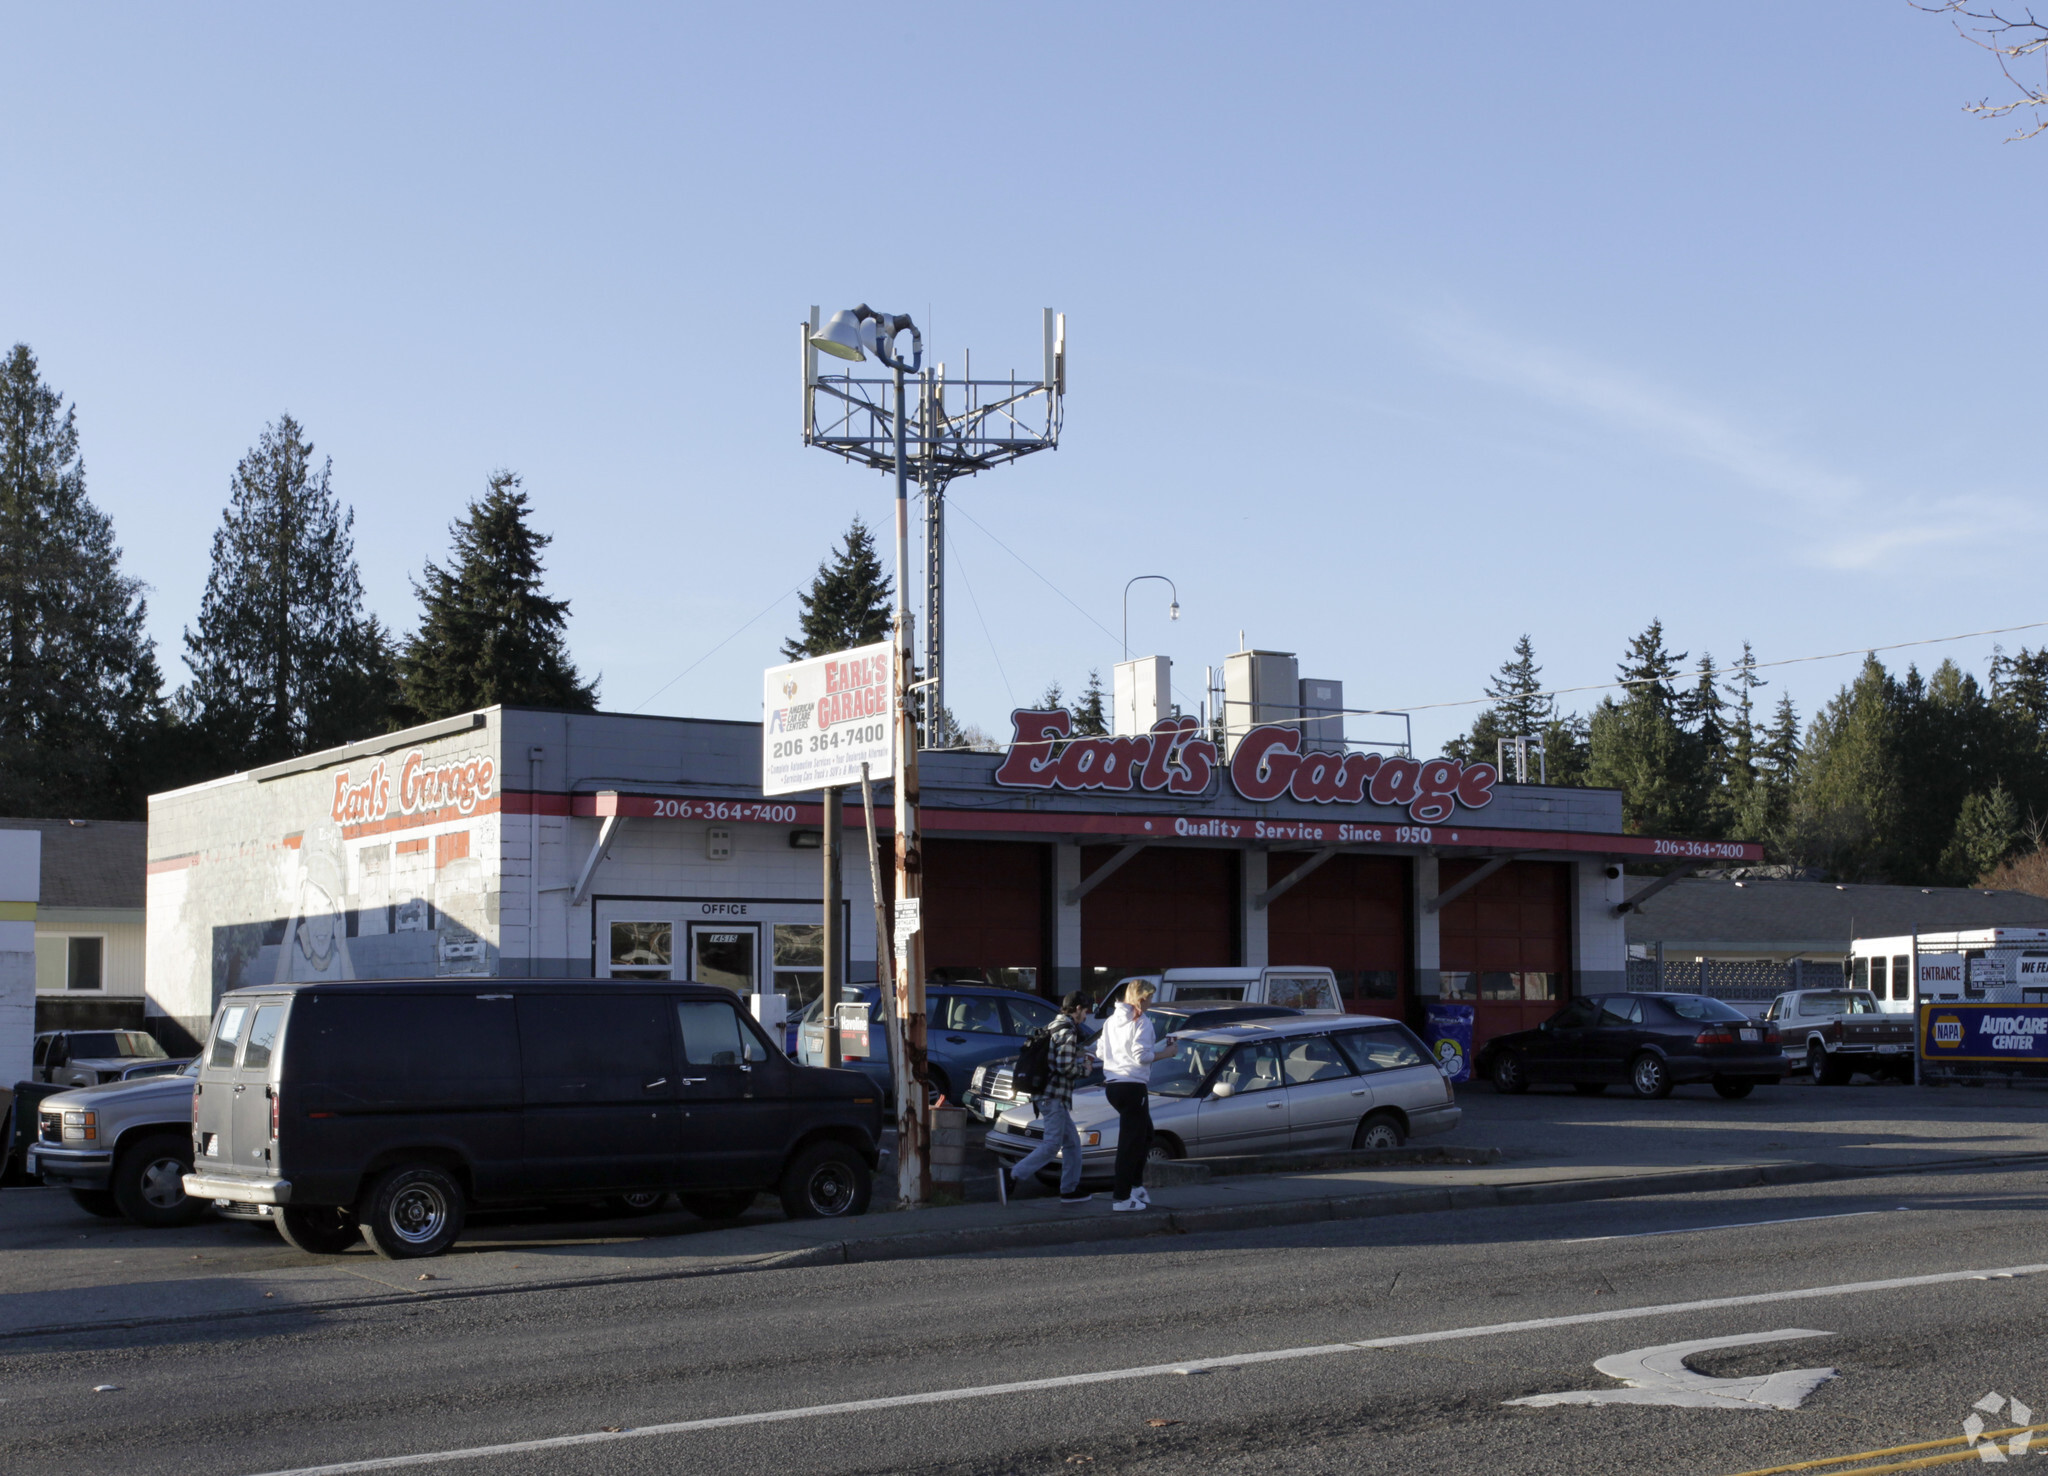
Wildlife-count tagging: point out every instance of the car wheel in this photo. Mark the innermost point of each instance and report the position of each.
(97, 1202)
(1589, 1088)
(413, 1210)
(1732, 1088)
(645, 1202)
(1649, 1076)
(1509, 1078)
(726, 1206)
(149, 1181)
(826, 1182)
(317, 1229)
(1379, 1131)
(1164, 1149)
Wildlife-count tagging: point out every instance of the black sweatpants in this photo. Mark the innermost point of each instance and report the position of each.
(1133, 1133)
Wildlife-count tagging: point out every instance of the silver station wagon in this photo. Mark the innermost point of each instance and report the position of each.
(1345, 1081)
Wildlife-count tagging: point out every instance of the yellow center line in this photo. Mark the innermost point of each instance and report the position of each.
(1866, 1455)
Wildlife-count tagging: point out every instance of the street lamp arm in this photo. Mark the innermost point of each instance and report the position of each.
(1174, 609)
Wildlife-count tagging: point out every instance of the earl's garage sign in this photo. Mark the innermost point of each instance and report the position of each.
(821, 719)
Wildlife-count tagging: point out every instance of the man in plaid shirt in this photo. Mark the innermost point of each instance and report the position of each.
(1068, 1061)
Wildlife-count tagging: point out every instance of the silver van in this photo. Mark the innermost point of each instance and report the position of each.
(1298, 987)
(1298, 1083)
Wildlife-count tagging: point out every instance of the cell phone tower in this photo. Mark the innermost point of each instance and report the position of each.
(956, 428)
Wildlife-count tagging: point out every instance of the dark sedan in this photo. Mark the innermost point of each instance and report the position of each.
(1653, 1042)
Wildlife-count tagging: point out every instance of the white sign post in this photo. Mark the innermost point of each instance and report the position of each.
(822, 718)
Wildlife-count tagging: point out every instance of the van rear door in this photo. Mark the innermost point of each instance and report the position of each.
(249, 1097)
(215, 1100)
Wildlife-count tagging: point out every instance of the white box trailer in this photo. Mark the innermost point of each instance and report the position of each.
(1992, 965)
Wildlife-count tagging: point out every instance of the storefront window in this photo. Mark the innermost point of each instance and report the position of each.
(642, 950)
(1370, 984)
(725, 958)
(799, 945)
(1496, 985)
(1541, 986)
(1457, 984)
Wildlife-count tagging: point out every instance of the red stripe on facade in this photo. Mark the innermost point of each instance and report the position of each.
(172, 863)
(420, 818)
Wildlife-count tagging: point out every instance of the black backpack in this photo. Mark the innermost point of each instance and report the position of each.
(1033, 1072)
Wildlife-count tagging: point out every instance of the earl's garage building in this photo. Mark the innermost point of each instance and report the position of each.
(514, 842)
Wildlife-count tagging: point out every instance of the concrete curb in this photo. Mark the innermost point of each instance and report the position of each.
(1180, 1171)
(1038, 1235)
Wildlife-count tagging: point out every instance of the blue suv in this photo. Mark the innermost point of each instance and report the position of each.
(965, 1026)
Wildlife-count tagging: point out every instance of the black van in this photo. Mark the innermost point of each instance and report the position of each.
(390, 1107)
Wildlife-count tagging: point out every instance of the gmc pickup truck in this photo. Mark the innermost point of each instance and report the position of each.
(1835, 1033)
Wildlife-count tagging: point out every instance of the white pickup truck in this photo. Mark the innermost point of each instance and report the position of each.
(1834, 1033)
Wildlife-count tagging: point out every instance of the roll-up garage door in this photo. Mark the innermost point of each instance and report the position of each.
(1350, 915)
(1506, 945)
(985, 910)
(1168, 907)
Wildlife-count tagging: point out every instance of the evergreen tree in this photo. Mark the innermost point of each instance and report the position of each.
(488, 634)
(1053, 697)
(1637, 744)
(1844, 809)
(1091, 713)
(1987, 834)
(1518, 709)
(79, 683)
(850, 601)
(284, 661)
(1745, 811)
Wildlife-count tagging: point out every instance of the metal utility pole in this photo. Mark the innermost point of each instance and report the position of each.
(963, 427)
(835, 935)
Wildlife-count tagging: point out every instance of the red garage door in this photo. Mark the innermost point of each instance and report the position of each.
(1350, 915)
(985, 910)
(1168, 907)
(1507, 944)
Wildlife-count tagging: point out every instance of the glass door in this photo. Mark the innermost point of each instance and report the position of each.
(725, 953)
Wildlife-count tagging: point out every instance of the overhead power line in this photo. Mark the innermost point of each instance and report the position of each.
(793, 590)
(1721, 671)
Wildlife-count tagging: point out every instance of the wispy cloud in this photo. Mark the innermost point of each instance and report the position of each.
(1630, 402)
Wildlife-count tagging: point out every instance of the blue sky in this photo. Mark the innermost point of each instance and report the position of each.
(1394, 332)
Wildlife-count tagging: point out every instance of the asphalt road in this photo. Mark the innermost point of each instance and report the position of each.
(313, 1390)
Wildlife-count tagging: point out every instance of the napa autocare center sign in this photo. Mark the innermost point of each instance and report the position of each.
(1983, 1032)
(824, 717)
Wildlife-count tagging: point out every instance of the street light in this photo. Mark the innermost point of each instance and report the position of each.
(852, 335)
(1172, 610)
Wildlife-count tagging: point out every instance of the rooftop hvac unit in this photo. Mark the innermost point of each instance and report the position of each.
(1143, 691)
(1258, 687)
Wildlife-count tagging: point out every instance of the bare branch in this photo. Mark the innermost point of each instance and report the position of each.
(2011, 39)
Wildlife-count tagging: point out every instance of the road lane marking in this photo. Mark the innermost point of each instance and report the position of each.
(1150, 1370)
(1871, 1455)
(1659, 1376)
(1738, 1225)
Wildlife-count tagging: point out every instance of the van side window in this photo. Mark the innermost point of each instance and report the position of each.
(594, 1035)
(1300, 994)
(227, 1035)
(1902, 976)
(262, 1038)
(714, 1036)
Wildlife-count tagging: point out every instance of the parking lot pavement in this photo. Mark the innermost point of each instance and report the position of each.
(60, 1267)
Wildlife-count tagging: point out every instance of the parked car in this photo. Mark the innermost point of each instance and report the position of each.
(1651, 1041)
(1298, 987)
(1313, 1081)
(1835, 1033)
(383, 1110)
(966, 1026)
(89, 1057)
(993, 1090)
(122, 1149)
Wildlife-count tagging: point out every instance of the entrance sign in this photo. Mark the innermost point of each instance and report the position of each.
(822, 718)
(1269, 764)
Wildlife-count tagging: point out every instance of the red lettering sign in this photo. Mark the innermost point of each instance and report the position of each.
(1269, 765)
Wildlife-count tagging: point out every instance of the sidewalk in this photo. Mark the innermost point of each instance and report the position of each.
(1553, 1149)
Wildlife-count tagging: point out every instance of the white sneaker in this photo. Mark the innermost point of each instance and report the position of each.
(1143, 1196)
(1133, 1203)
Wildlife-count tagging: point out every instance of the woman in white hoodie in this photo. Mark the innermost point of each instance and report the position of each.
(1128, 1050)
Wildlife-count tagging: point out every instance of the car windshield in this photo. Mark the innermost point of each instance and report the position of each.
(1844, 1002)
(139, 1044)
(1699, 1007)
(1182, 1074)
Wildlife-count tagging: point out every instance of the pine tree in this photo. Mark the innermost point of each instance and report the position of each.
(1637, 744)
(850, 601)
(1844, 810)
(1052, 698)
(1517, 709)
(79, 683)
(284, 661)
(1987, 834)
(1091, 713)
(488, 635)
